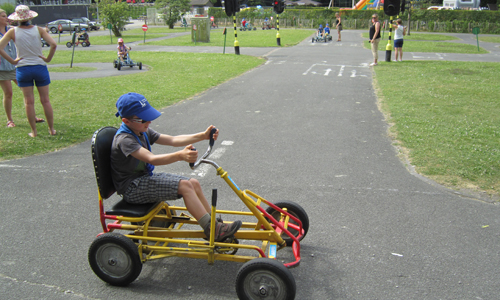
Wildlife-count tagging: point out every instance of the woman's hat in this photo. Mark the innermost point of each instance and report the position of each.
(23, 13)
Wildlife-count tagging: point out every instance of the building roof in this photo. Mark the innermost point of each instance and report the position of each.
(302, 2)
(201, 3)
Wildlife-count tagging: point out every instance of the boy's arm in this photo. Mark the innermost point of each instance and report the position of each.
(185, 154)
(183, 140)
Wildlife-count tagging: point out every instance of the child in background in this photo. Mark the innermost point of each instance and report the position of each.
(122, 49)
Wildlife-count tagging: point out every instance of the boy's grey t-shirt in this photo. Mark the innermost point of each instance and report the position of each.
(124, 167)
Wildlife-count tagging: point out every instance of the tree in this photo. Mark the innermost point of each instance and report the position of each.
(172, 10)
(114, 13)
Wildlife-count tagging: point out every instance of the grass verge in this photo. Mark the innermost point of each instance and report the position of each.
(81, 106)
(446, 118)
(256, 38)
(421, 42)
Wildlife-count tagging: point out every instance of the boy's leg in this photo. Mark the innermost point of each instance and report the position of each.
(194, 203)
(197, 205)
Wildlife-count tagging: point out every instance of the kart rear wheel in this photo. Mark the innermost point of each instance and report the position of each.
(115, 259)
(295, 210)
(140, 65)
(119, 66)
(312, 40)
(84, 44)
(266, 278)
(115, 64)
(69, 44)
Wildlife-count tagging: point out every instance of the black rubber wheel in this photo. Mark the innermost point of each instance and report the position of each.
(295, 210)
(69, 44)
(115, 64)
(312, 40)
(115, 259)
(140, 65)
(265, 278)
(119, 66)
(84, 44)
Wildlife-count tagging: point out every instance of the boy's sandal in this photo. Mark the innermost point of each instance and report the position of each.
(39, 120)
(10, 124)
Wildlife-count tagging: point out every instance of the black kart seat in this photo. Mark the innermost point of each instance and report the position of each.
(101, 153)
(123, 208)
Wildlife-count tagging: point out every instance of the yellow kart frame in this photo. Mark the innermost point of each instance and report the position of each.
(158, 230)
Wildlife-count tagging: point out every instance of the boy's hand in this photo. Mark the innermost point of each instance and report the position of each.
(189, 154)
(207, 132)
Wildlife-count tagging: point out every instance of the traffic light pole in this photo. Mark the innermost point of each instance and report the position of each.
(236, 43)
(278, 38)
(388, 48)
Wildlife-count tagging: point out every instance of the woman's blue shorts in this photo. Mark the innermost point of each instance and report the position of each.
(31, 75)
(398, 43)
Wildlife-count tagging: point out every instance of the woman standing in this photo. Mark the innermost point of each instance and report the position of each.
(374, 38)
(7, 70)
(31, 64)
(338, 25)
(399, 33)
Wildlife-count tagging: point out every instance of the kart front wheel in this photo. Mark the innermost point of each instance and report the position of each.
(84, 44)
(115, 259)
(295, 210)
(69, 44)
(119, 66)
(140, 65)
(265, 278)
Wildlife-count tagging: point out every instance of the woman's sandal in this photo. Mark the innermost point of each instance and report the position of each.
(10, 124)
(39, 120)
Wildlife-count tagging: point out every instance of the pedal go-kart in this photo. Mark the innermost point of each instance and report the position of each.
(325, 38)
(134, 234)
(127, 62)
(44, 43)
(81, 39)
(248, 26)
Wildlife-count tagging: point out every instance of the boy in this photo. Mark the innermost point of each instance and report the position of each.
(132, 164)
(320, 31)
(327, 29)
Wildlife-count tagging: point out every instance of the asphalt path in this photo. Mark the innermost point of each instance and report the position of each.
(304, 126)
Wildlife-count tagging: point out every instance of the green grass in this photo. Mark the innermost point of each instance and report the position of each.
(421, 42)
(489, 38)
(84, 105)
(255, 38)
(447, 117)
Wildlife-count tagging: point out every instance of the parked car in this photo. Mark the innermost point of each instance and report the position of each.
(83, 20)
(67, 25)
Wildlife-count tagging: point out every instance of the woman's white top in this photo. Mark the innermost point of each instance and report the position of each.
(29, 47)
(398, 34)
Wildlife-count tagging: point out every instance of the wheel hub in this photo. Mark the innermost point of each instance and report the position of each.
(112, 262)
(263, 290)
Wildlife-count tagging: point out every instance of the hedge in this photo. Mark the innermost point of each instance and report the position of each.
(457, 21)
